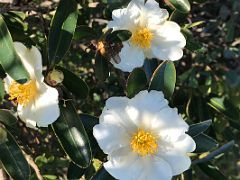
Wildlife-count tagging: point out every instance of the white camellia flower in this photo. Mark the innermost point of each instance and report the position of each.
(37, 102)
(152, 35)
(143, 137)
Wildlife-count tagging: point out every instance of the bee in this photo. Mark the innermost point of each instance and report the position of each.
(109, 50)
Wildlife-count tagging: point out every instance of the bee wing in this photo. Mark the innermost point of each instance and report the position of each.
(116, 59)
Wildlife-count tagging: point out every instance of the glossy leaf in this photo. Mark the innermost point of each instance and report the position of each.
(9, 60)
(149, 67)
(74, 171)
(101, 67)
(204, 143)
(178, 16)
(84, 32)
(224, 106)
(212, 171)
(181, 5)
(164, 79)
(7, 118)
(62, 30)
(199, 128)
(215, 153)
(72, 135)
(2, 90)
(74, 84)
(136, 82)
(102, 174)
(13, 159)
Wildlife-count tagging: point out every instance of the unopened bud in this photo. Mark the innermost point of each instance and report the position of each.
(55, 77)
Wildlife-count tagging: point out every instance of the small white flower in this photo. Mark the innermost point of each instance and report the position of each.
(37, 102)
(152, 35)
(143, 137)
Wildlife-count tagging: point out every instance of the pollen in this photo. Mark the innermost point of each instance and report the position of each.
(142, 38)
(144, 143)
(22, 93)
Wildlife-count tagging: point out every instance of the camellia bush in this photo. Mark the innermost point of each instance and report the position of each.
(119, 89)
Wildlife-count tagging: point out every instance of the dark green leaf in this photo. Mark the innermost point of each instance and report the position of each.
(74, 171)
(136, 82)
(204, 143)
(181, 5)
(7, 118)
(102, 174)
(164, 79)
(212, 171)
(9, 60)
(13, 159)
(149, 67)
(72, 135)
(101, 67)
(2, 91)
(178, 17)
(225, 106)
(215, 153)
(74, 84)
(84, 32)
(89, 121)
(62, 29)
(119, 36)
(199, 128)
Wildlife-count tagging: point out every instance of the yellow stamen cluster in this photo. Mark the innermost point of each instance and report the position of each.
(22, 93)
(144, 143)
(142, 38)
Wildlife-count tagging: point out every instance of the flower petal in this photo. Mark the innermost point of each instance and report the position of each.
(124, 165)
(185, 144)
(168, 42)
(155, 169)
(131, 57)
(107, 137)
(178, 162)
(31, 59)
(44, 109)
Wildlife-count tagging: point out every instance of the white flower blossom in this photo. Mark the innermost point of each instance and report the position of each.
(37, 102)
(143, 137)
(153, 36)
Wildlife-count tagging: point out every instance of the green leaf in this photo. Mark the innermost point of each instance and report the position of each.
(199, 128)
(89, 121)
(164, 79)
(84, 32)
(72, 135)
(178, 16)
(204, 143)
(9, 60)
(101, 67)
(215, 153)
(74, 84)
(192, 44)
(7, 118)
(119, 36)
(74, 171)
(102, 174)
(212, 171)
(181, 5)
(136, 82)
(62, 30)
(13, 159)
(225, 106)
(149, 67)
(2, 90)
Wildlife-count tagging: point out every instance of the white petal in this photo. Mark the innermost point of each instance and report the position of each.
(31, 59)
(131, 57)
(128, 167)
(144, 106)
(178, 162)
(44, 109)
(168, 42)
(156, 169)
(7, 82)
(114, 113)
(110, 137)
(185, 144)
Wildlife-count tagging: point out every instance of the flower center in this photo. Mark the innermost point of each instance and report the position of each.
(144, 143)
(22, 93)
(142, 38)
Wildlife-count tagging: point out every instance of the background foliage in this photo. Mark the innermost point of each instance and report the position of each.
(207, 84)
